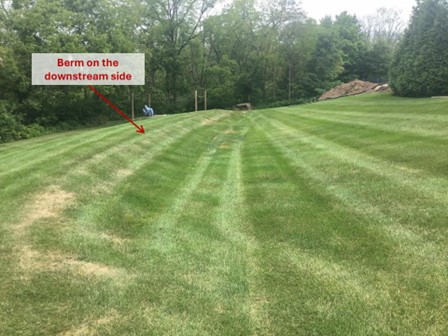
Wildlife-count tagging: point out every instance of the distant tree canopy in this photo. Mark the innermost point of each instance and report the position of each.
(420, 65)
(265, 52)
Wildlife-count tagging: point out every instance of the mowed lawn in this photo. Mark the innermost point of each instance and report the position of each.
(322, 219)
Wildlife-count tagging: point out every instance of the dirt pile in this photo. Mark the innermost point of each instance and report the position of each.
(353, 88)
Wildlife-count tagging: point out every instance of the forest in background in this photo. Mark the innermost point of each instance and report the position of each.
(268, 53)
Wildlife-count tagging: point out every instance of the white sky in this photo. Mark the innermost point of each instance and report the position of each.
(317, 9)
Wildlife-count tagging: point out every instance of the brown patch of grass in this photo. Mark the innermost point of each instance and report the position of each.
(123, 173)
(409, 170)
(90, 268)
(257, 303)
(49, 203)
(258, 313)
(34, 261)
(112, 238)
(224, 146)
(90, 327)
(208, 122)
(219, 309)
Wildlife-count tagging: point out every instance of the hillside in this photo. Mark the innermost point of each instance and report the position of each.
(320, 219)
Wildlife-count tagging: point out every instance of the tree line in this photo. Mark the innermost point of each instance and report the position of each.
(269, 53)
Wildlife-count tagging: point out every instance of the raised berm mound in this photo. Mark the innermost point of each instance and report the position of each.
(354, 88)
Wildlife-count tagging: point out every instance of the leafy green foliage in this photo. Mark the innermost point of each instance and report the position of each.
(376, 60)
(12, 128)
(420, 66)
(351, 43)
(266, 52)
(326, 65)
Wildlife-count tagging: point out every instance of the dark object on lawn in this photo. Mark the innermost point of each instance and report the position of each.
(244, 107)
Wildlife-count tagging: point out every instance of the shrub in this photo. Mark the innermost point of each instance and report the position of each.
(11, 127)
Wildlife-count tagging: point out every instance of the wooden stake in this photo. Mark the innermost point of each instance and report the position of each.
(196, 100)
(289, 85)
(132, 106)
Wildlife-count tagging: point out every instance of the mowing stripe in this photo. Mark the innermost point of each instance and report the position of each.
(165, 239)
(409, 241)
(413, 118)
(432, 186)
(23, 247)
(409, 149)
(434, 127)
(230, 221)
(220, 223)
(47, 153)
(30, 158)
(132, 150)
(414, 259)
(382, 117)
(144, 151)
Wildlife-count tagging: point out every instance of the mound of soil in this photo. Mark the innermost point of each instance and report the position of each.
(354, 88)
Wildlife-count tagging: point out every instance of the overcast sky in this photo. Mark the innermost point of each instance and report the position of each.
(317, 9)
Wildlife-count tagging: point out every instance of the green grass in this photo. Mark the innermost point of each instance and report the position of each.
(323, 219)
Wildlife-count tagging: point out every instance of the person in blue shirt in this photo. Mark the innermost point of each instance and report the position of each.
(148, 111)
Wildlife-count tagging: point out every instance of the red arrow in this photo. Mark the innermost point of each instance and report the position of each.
(140, 128)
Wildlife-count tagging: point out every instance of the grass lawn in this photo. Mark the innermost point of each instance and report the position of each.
(322, 219)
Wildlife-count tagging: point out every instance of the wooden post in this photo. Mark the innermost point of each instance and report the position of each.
(289, 85)
(205, 100)
(132, 106)
(196, 100)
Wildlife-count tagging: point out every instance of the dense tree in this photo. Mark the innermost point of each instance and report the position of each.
(297, 38)
(375, 62)
(172, 25)
(71, 26)
(351, 43)
(266, 48)
(326, 64)
(265, 52)
(420, 65)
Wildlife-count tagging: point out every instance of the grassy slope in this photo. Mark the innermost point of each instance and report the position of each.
(325, 219)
